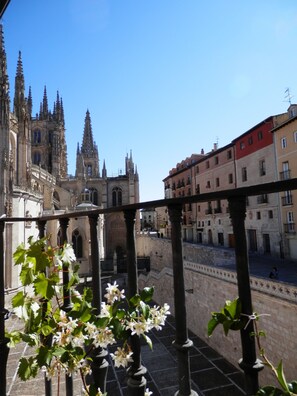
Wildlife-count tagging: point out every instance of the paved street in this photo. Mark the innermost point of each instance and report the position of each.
(261, 266)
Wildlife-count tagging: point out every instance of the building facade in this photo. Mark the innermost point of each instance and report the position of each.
(285, 144)
(34, 178)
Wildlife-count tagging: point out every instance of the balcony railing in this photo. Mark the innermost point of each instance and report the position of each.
(289, 228)
(285, 175)
(287, 200)
(136, 383)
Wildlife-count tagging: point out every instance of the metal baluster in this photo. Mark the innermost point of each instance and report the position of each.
(249, 362)
(99, 363)
(66, 296)
(4, 350)
(136, 381)
(47, 382)
(182, 342)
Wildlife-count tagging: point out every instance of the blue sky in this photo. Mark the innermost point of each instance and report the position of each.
(163, 78)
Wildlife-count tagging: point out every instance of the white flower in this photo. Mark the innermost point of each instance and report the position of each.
(105, 310)
(138, 327)
(68, 255)
(121, 357)
(158, 316)
(148, 392)
(114, 293)
(103, 338)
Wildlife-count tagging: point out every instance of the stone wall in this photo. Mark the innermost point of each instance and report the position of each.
(207, 290)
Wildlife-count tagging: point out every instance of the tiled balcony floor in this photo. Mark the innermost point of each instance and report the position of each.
(211, 374)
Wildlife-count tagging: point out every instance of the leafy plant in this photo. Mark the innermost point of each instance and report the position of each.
(231, 318)
(63, 338)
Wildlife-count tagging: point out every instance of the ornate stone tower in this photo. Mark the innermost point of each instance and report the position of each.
(49, 149)
(4, 128)
(87, 158)
(20, 111)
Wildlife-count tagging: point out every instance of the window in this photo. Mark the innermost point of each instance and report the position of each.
(207, 164)
(250, 140)
(77, 244)
(295, 136)
(241, 145)
(283, 142)
(208, 184)
(244, 174)
(198, 208)
(258, 215)
(260, 135)
(270, 214)
(262, 168)
(36, 158)
(197, 169)
(229, 154)
(217, 182)
(285, 174)
(89, 170)
(290, 217)
(116, 197)
(36, 136)
(198, 189)
(230, 177)
(216, 160)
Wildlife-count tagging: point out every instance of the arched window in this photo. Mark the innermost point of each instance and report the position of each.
(36, 158)
(77, 244)
(89, 170)
(37, 136)
(94, 196)
(117, 197)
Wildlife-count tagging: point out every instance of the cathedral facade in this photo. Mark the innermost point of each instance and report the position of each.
(34, 178)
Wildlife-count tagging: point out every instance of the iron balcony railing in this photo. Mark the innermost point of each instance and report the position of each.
(136, 380)
(287, 200)
(285, 175)
(289, 228)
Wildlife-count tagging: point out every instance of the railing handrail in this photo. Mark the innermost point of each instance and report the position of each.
(257, 189)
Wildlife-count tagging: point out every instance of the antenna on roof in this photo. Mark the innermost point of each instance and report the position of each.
(288, 96)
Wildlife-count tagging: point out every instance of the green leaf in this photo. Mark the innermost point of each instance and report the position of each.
(281, 376)
(46, 330)
(44, 356)
(146, 294)
(14, 338)
(212, 324)
(135, 300)
(145, 309)
(293, 386)
(271, 391)
(28, 368)
(148, 340)
(26, 275)
(44, 286)
(20, 254)
(18, 300)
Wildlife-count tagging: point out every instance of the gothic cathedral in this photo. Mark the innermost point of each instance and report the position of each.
(34, 179)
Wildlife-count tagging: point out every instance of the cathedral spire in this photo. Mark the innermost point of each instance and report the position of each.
(88, 145)
(44, 110)
(87, 158)
(30, 102)
(104, 171)
(4, 84)
(19, 92)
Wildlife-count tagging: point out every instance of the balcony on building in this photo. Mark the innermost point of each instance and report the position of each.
(285, 175)
(287, 200)
(289, 228)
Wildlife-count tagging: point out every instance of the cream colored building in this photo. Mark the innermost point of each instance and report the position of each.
(285, 143)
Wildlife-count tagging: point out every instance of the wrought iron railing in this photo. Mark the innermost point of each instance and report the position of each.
(136, 379)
